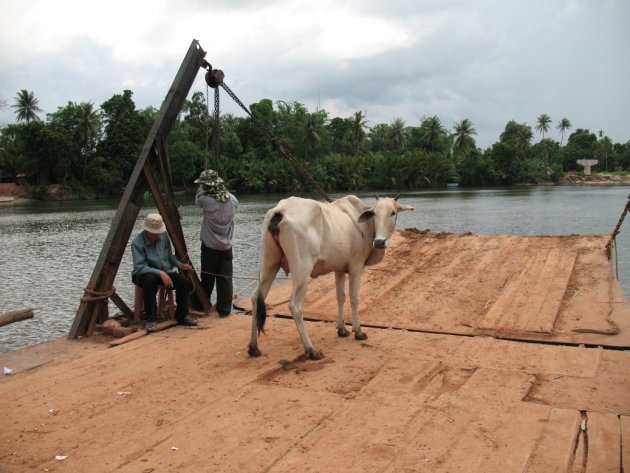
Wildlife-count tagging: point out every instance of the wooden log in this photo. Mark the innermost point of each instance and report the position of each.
(15, 316)
(141, 333)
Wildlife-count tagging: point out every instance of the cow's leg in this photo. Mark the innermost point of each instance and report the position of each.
(340, 280)
(355, 282)
(296, 305)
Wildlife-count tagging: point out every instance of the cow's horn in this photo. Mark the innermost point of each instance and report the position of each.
(376, 196)
(397, 195)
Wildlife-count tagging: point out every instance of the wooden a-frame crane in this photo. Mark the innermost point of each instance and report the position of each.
(152, 171)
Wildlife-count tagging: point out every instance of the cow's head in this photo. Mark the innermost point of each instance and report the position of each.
(384, 212)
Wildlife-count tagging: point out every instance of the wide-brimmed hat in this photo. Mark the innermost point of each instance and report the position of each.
(213, 185)
(153, 223)
(208, 177)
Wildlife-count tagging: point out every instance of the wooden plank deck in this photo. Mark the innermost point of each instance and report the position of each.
(404, 400)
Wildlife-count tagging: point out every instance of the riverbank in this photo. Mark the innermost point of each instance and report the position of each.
(576, 178)
(13, 194)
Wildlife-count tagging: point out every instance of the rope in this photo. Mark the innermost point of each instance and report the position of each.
(276, 142)
(93, 296)
(237, 295)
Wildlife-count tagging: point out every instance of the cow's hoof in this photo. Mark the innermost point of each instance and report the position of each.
(254, 351)
(315, 355)
(342, 332)
(360, 336)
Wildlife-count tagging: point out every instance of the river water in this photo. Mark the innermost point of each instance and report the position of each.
(48, 250)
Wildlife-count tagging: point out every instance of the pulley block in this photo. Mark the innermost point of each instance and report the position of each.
(214, 78)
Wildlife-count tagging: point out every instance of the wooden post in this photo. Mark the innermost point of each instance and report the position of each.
(123, 223)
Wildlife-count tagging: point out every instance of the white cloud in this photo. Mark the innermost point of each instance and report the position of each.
(489, 61)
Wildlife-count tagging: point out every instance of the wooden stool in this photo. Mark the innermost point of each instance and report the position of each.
(165, 296)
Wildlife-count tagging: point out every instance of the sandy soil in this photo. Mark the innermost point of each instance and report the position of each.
(484, 354)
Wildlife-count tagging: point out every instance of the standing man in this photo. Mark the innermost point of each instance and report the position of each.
(154, 264)
(217, 230)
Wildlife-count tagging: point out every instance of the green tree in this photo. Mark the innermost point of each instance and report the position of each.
(477, 170)
(339, 132)
(312, 130)
(397, 135)
(197, 120)
(357, 130)
(519, 134)
(543, 123)
(26, 106)
(42, 150)
(563, 125)
(81, 123)
(290, 124)
(582, 144)
(253, 139)
(622, 155)
(88, 128)
(124, 133)
(433, 134)
(604, 151)
(508, 161)
(380, 138)
(464, 142)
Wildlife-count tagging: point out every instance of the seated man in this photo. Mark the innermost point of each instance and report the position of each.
(154, 265)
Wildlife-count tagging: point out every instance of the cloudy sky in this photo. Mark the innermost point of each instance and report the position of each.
(490, 61)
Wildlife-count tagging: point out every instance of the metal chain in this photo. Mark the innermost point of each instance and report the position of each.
(617, 229)
(216, 130)
(276, 142)
(207, 124)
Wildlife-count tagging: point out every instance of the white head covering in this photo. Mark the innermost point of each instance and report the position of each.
(153, 223)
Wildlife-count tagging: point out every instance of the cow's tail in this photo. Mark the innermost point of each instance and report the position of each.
(270, 229)
(261, 312)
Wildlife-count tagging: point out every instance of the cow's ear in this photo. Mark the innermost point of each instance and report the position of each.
(403, 207)
(366, 215)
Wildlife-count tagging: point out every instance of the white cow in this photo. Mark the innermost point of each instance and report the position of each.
(310, 238)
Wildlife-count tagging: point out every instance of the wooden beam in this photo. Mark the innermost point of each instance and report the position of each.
(15, 316)
(124, 308)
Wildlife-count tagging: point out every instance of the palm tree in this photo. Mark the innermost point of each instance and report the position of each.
(357, 130)
(604, 147)
(312, 129)
(563, 125)
(464, 132)
(397, 134)
(543, 124)
(26, 106)
(433, 131)
(88, 127)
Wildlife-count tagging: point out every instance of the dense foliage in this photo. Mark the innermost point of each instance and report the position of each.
(91, 152)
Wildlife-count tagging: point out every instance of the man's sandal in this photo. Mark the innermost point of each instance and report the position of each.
(151, 327)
